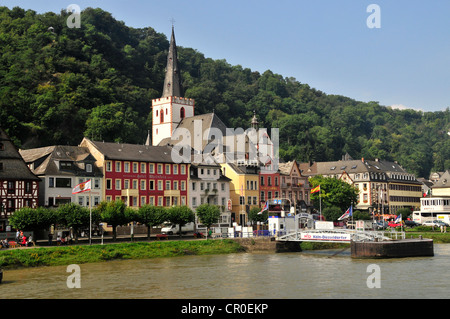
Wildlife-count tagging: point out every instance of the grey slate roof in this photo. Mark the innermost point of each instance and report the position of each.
(444, 181)
(14, 167)
(45, 160)
(136, 152)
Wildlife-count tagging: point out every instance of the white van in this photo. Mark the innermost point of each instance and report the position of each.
(170, 229)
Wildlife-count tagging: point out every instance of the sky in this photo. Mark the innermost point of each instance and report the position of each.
(396, 53)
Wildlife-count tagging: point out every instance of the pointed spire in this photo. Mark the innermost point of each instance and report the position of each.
(172, 82)
(254, 121)
(149, 140)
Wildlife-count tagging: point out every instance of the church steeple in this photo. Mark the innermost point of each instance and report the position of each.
(172, 82)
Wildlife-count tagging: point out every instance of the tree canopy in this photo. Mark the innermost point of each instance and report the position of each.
(60, 84)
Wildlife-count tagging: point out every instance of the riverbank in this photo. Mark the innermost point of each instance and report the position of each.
(80, 254)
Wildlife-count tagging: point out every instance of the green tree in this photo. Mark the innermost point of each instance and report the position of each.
(332, 213)
(150, 216)
(114, 214)
(333, 192)
(76, 217)
(255, 216)
(180, 215)
(34, 220)
(208, 214)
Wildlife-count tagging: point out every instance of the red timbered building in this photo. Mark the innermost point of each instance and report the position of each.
(19, 187)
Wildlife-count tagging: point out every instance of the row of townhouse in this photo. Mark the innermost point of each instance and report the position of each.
(384, 186)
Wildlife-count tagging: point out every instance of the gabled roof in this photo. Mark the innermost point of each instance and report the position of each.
(135, 152)
(45, 159)
(444, 181)
(13, 165)
(208, 121)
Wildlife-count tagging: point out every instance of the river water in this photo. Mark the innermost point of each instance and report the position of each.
(301, 275)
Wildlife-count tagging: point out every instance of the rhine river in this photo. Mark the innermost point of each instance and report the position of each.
(310, 275)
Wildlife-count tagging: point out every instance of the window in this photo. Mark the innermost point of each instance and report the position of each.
(175, 169)
(160, 169)
(151, 185)
(126, 167)
(183, 185)
(167, 185)
(182, 113)
(118, 184)
(193, 186)
(63, 182)
(11, 187)
(51, 182)
(160, 185)
(135, 184)
(194, 201)
(108, 183)
(183, 169)
(118, 167)
(108, 166)
(143, 166)
(126, 184)
(143, 184)
(28, 186)
(175, 185)
(167, 168)
(151, 168)
(135, 168)
(89, 168)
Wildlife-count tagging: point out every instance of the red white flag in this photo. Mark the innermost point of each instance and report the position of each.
(83, 187)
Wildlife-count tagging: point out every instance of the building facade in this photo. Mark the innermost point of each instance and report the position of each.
(383, 186)
(60, 169)
(294, 186)
(140, 174)
(207, 185)
(19, 187)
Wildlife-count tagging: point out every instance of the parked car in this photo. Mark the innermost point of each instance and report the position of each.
(431, 223)
(441, 223)
(411, 223)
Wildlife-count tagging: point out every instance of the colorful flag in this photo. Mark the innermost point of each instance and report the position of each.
(83, 187)
(398, 219)
(315, 189)
(348, 213)
(266, 207)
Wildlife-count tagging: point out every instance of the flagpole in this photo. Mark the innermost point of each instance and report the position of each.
(90, 216)
(320, 204)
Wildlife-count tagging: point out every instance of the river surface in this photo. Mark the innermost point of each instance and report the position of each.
(241, 276)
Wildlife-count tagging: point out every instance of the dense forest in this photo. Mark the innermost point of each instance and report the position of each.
(58, 84)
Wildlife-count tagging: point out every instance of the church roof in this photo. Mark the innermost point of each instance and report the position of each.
(172, 81)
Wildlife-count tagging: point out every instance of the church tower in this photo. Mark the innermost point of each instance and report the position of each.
(171, 108)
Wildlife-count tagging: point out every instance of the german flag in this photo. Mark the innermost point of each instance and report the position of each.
(315, 189)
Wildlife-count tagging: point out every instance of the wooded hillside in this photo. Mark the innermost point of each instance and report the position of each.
(59, 84)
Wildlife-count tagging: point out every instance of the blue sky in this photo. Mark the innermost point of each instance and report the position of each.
(325, 43)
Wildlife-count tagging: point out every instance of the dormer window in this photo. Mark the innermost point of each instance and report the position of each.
(89, 168)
